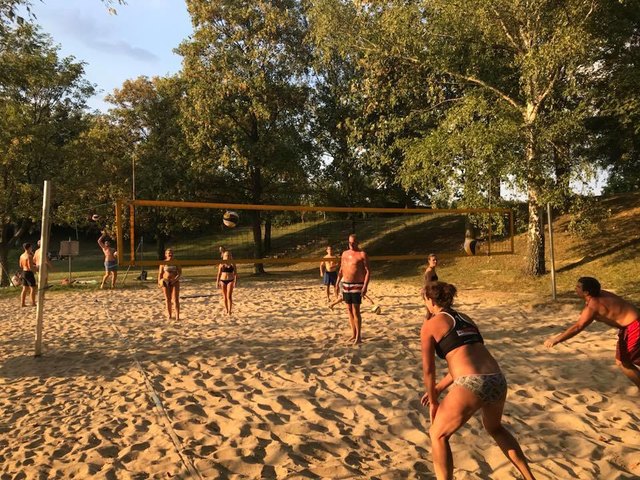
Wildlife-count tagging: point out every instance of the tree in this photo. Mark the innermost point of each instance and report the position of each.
(145, 121)
(246, 70)
(42, 98)
(517, 59)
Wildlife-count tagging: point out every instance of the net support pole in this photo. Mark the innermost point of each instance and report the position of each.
(551, 253)
(119, 242)
(42, 271)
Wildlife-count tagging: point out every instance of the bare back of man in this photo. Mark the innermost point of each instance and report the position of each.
(28, 267)
(609, 308)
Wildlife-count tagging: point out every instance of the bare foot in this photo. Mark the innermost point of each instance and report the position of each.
(357, 341)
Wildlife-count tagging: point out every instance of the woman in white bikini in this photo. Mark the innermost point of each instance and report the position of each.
(474, 377)
(169, 280)
(227, 279)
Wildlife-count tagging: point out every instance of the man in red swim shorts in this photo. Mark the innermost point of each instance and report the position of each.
(608, 308)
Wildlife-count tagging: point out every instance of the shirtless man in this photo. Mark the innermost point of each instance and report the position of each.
(614, 311)
(28, 268)
(110, 261)
(329, 271)
(37, 258)
(354, 274)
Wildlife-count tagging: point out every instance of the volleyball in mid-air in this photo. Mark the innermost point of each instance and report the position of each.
(95, 217)
(230, 219)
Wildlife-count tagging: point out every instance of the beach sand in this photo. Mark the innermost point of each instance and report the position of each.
(276, 391)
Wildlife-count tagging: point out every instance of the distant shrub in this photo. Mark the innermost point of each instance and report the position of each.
(587, 217)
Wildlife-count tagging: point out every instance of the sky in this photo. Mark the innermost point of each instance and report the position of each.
(139, 40)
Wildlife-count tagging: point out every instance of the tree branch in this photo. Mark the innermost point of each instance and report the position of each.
(491, 88)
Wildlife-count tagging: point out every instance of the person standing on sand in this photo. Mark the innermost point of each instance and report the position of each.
(169, 281)
(329, 271)
(28, 267)
(110, 261)
(608, 308)
(475, 378)
(354, 275)
(227, 279)
(430, 274)
(37, 259)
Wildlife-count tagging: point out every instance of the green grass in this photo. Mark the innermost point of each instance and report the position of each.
(611, 255)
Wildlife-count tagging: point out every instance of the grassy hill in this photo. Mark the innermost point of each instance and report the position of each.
(610, 254)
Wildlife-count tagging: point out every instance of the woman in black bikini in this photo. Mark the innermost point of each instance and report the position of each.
(430, 274)
(227, 280)
(474, 377)
(169, 280)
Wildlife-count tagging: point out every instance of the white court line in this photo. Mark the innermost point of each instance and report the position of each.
(162, 413)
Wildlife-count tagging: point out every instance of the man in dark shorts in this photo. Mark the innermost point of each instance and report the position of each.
(608, 308)
(110, 261)
(28, 267)
(354, 275)
(329, 271)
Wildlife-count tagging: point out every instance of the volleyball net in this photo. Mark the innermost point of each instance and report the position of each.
(280, 234)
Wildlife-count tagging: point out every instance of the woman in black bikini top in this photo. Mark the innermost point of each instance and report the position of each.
(169, 280)
(227, 280)
(474, 380)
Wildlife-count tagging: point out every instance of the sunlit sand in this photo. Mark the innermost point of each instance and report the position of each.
(277, 391)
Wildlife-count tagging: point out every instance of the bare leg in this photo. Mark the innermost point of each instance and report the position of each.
(492, 421)
(104, 279)
(352, 321)
(167, 299)
(454, 411)
(358, 324)
(32, 294)
(328, 293)
(23, 297)
(225, 299)
(334, 303)
(113, 279)
(230, 296)
(176, 299)
(630, 371)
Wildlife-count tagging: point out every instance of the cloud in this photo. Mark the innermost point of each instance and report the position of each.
(98, 35)
(122, 48)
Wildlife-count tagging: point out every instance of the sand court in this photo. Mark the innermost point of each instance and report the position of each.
(276, 390)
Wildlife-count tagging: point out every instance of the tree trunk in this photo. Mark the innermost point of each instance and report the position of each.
(267, 235)
(535, 237)
(535, 232)
(161, 245)
(9, 236)
(258, 268)
(469, 228)
(4, 264)
(256, 181)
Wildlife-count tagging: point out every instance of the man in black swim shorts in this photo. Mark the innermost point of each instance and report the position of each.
(354, 274)
(28, 267)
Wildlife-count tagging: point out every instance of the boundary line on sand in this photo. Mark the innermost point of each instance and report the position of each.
(160, 410)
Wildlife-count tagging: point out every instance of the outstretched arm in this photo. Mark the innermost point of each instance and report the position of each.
(101, 240)
(586, 317)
